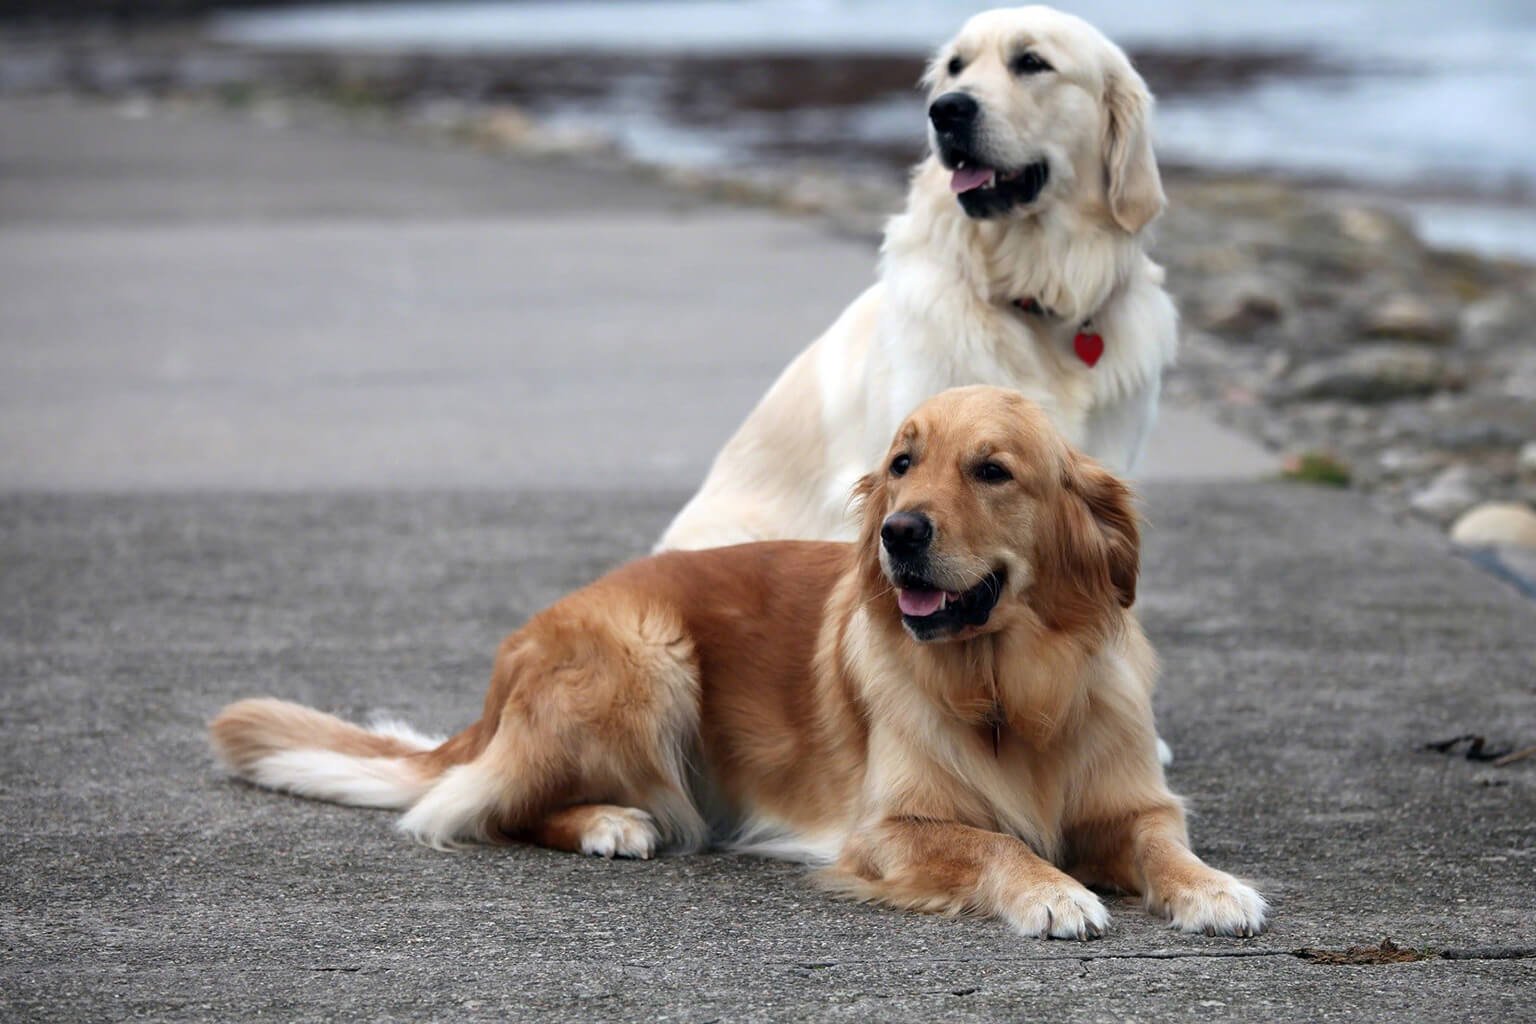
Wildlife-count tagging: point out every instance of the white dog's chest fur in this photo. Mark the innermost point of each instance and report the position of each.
(942, 316)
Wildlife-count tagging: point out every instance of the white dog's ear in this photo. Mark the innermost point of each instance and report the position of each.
(1132, 184)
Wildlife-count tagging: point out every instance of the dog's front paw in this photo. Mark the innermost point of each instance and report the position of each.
(620, 832)
(1216, 905)
(1058, 910)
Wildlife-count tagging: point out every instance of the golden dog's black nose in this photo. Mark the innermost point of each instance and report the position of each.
(906, 533)
(953, 112)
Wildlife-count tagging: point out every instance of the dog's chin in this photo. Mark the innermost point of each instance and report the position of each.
(932, 614)
(986, 192)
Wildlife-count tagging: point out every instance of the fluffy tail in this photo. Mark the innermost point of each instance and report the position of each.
(289, 747)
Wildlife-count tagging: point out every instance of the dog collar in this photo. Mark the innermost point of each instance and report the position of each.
(1088, 344)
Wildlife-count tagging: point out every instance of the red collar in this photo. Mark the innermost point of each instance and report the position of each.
(1087, 343)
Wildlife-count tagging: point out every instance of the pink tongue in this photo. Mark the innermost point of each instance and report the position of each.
(968, 178)
(919, 603)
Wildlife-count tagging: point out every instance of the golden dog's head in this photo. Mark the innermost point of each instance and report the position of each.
(1028, 104)
(982, 515)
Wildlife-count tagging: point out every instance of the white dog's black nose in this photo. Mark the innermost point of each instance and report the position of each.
(906, 533)
(953, 112)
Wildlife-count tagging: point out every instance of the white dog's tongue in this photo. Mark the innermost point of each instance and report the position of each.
(967, 178)
(919, 603)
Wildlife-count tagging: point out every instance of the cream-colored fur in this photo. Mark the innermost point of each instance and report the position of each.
(943, 313)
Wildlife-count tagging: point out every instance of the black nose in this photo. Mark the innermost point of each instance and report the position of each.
(906, 533)
(953, 112)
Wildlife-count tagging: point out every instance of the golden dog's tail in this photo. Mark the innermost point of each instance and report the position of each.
(288, 747)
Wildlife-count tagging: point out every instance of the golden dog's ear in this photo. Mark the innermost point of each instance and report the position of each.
(1113, 508)
(1132, 185)
(1087, 549)
(868, 503)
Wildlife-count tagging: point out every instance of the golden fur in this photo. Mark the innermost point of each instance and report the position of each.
(774, 693)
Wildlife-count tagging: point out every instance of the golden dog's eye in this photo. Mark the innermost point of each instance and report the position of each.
(1029, 64)
(992, 473)
(956, 65)
(900, 464)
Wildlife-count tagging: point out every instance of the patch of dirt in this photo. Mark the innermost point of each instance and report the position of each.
(1387, 952)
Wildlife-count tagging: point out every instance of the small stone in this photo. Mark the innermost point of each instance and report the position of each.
(1411, 318)
(1379, 373)
(1527, 458)
(1496, 524)
(1450, 493)
(1237, 305)
(1494, 320)
(1369, 226)
(1398, 462)
(1481, 422)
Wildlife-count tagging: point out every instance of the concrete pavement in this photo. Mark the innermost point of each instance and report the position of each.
(196, 313)
(195, 302)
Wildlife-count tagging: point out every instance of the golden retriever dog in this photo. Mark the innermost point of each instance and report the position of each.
(1019, 262)
(951, 714)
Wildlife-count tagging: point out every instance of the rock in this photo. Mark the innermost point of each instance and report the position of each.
(1520, 563)
(1526, 461)
(1243, 303)
(1411, 318)
(1400, 462)
(1374, 227)
(1379, 373)
(1495, 320)
(1481, 422)
(1496, 524)
(1451, 493)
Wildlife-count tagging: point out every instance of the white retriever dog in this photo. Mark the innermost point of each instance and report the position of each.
(1018, 262)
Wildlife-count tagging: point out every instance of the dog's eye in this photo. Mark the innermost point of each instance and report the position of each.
(1029, 64)
(956, 65)
(900, 464)
(992, 473)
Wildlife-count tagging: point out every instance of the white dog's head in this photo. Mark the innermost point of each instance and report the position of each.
(1028, 104)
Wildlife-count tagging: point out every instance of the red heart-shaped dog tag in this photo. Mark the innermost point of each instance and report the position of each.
(1089, 347)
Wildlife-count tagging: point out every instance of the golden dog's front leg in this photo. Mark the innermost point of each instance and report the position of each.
(949, 868)
(1194, 896)
(1147, 852)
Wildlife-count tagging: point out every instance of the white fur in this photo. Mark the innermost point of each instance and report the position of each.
(1226, 907)
(621, 832)
(943, 313)
(394, 728)
(457, 807)
(761, 837)
(342, 778)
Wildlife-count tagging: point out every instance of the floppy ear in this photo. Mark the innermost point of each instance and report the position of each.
(868, 503)
(1112, 506)
(1132, 184)
(1087, 551)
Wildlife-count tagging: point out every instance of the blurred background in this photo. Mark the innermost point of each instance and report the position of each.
(1353, 182)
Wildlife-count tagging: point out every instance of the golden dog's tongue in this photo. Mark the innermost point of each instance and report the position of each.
(919, 603)
(967, 178)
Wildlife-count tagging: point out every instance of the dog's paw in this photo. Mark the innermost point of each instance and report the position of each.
(1218, 905)
(621, 832)
(1058, 910)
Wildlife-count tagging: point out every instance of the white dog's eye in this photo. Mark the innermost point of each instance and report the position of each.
(956, 65)
(1029, 64)
(900, 464)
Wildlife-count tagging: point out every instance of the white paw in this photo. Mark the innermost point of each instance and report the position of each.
(1220, 905)
(1063, 910)
(625, 832)
(1164, 752)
